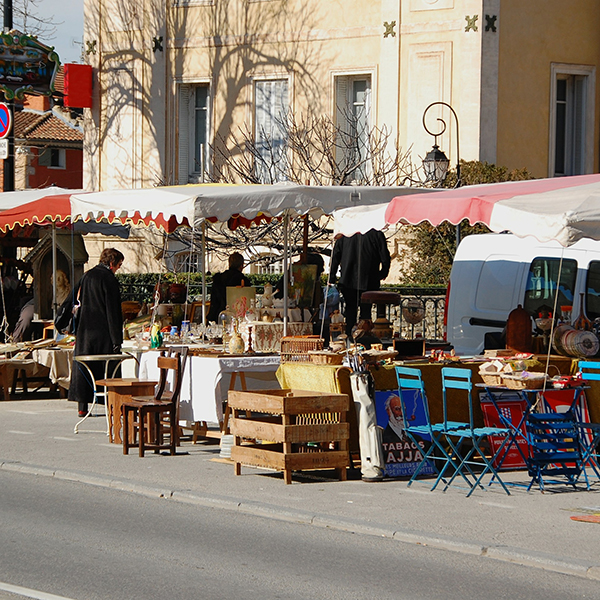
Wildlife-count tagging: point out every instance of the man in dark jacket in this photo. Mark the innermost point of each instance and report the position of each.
(233, 277)
(100, 324)
(365, 261)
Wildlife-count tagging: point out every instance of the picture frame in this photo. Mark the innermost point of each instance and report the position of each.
(239, 299)
(196, 312)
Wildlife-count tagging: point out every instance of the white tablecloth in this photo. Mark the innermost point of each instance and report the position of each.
(206, 381)
(59, 361)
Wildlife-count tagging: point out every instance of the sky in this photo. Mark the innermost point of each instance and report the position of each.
(70, 15)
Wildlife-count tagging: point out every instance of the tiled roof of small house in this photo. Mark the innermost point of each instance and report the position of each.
(45, 127)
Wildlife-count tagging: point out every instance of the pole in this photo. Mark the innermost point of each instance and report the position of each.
(8, 171)
(203, 264)
(458, 180)
(304, 257)
(8, 15)
(286, 224)
(54, 307)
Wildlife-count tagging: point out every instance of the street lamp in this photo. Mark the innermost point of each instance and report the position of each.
(436, 163)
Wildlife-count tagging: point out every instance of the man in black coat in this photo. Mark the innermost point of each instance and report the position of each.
(100, 324)
(365, 262)
(233, 277)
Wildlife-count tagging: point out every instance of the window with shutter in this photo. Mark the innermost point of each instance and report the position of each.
(183, 134)
(572, 116)
(193, 132)
(271, 107)
(352, 114)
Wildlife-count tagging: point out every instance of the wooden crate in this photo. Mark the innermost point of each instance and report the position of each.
(297, 430)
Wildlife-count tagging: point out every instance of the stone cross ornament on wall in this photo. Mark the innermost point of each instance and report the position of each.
(389, 29)
(471, 23)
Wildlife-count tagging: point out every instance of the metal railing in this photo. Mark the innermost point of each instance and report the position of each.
(430, 328)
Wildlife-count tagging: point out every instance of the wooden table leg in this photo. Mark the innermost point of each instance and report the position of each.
(7, 372)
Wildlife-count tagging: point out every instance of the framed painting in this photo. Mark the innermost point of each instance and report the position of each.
(196, 312)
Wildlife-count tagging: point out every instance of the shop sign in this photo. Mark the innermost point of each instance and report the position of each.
(26, 66)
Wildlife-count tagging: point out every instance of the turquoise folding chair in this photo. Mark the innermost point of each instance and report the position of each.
(589, 432)
(411, 380)
(460, 379)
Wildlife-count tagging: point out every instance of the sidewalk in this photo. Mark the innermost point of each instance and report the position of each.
(36, 437)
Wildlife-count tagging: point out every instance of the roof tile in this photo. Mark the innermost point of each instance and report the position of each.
(46, 126)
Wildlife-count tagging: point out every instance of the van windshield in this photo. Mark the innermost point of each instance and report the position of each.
(542, 282)
(592, 303)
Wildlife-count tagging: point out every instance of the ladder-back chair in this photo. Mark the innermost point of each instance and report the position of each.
(147, 419)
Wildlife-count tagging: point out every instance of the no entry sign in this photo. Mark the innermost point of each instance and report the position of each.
(5, 120)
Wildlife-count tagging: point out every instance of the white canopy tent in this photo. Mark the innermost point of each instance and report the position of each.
(359, 219)
(221, 201)
(9, 200)
(194, 204)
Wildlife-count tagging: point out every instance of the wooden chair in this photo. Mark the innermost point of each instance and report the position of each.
(148, 418)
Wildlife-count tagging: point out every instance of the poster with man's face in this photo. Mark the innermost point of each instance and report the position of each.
(401, 453)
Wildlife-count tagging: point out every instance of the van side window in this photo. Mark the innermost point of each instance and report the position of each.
(592, 301)
(542, 281)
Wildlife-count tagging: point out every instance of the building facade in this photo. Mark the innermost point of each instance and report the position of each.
(175, 80)
(48, 146)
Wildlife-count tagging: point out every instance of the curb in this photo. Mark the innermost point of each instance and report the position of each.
(528, 558)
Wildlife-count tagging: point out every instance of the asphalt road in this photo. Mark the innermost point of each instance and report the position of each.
(82, 542)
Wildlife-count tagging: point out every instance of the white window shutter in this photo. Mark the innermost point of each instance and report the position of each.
(368, 104)
(342, 113)
(578, 126)
(341, 103)
(183, 134)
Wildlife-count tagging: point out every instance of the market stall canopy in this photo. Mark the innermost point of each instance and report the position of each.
(43, 211)
(360, 219)
(565, 209)
(196, 203)
(10, 200)
(54, 209)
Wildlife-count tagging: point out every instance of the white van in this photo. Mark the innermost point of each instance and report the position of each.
(493, 273)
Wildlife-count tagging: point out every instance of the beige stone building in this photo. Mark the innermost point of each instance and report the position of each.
(175, 78)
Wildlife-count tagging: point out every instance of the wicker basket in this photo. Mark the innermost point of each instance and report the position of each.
(516, 382)
(491, 378)
(296, 348)
(326, 358)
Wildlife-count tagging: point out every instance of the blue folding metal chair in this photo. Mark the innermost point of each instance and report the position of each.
(460, 379)
(589, 432)
(410, 380)
(556, 450)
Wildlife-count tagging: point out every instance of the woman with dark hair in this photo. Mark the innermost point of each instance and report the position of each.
(100, 323)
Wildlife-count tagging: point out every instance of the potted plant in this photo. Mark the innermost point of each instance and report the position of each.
(178, 289)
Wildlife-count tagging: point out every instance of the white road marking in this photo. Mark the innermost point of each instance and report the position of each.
(497, 505)
(20, 432)
(27, 593)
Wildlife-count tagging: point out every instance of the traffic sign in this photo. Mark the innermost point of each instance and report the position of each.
(5, 120)
(3, 149)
